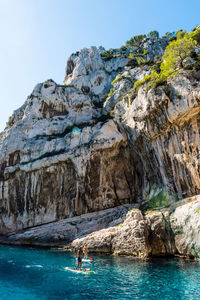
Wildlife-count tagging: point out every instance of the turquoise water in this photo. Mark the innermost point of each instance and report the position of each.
(27, 273)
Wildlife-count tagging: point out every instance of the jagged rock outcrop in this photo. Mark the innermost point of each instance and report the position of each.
(93, 144)
(129, 238)
(91, 74)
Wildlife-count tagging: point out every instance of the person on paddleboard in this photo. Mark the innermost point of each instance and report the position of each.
(79, 258)
(85, 251)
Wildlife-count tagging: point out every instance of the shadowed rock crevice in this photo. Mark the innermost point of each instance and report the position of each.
(70, 67)
(106, 178)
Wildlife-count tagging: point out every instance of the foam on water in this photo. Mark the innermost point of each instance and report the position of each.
(33, 266)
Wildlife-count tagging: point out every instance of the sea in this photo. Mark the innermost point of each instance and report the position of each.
(39, 273)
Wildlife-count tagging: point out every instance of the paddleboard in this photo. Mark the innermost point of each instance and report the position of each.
(86, 271)
(87, 260)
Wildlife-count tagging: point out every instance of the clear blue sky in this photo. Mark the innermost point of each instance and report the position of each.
(37, 36)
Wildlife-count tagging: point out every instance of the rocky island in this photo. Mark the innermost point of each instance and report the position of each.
(111, 157)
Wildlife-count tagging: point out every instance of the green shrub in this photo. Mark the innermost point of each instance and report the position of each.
(136, 41)
(197, 210)
(153, 34)
(196, 66)
(123, 48)
(147, 79)
(141, 61)
(132, 209)
(132, 63)
(120, 78)
(180, 34)
(168, 34)
(111, 92)
(172, 38)
(156, 198)
(107, 54)
(195, 35)
(175, 54)
(156, 64)
(131, 55)
(71, 86)
(151, 81)
(112, 113)
(150, 211)
(138, 57)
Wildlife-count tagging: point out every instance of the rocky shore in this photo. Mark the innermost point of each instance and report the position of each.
(123, 230)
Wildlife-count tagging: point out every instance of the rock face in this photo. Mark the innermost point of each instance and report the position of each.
(50, 177)
(59, 158)
(163, 127)
(92, 144)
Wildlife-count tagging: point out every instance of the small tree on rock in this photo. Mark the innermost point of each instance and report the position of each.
(175, 54)
(153, 35)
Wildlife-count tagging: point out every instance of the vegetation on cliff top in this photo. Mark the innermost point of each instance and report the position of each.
(173, 59)
(181, 47)
(134, 49)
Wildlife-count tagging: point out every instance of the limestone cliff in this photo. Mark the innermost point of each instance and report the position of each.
(61, 156)
(94, 143)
